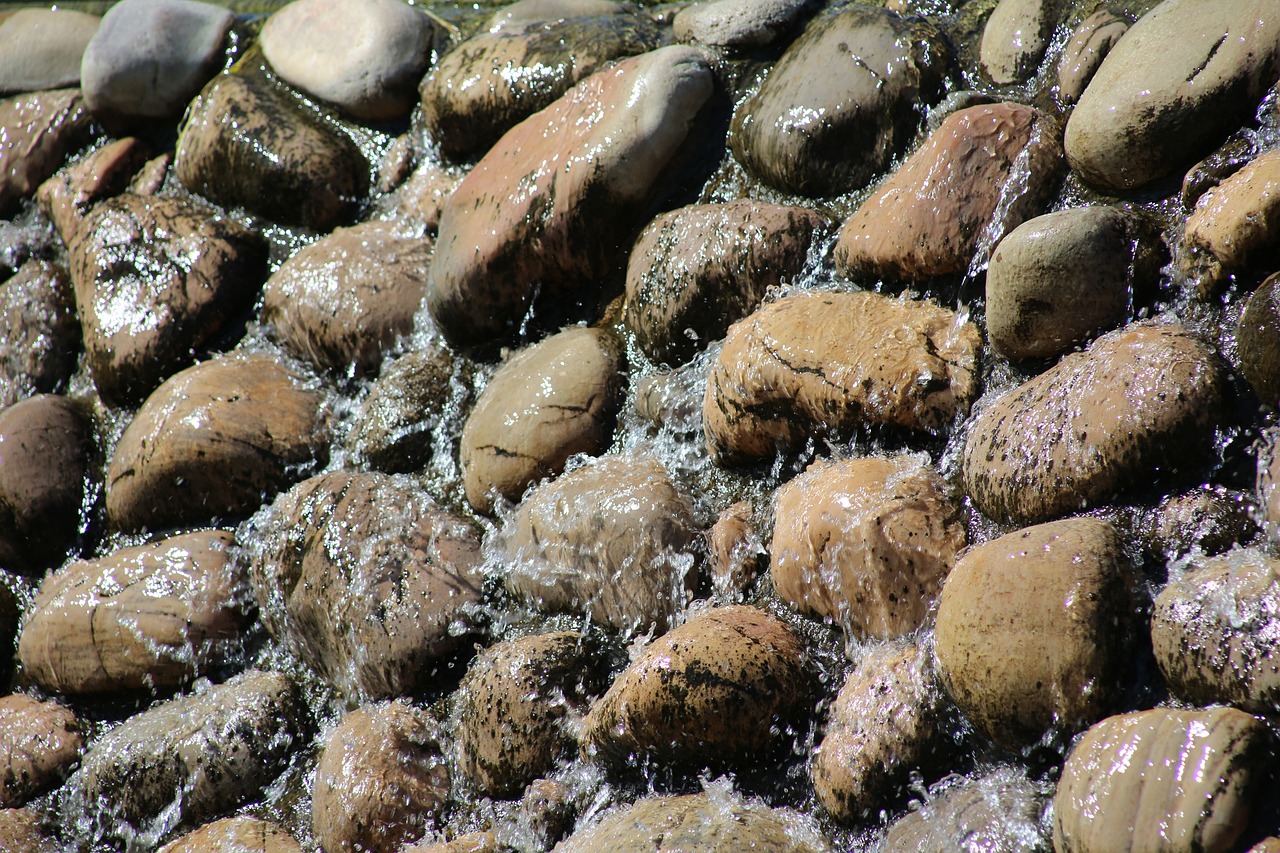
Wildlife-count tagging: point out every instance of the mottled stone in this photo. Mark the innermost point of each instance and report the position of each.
(1207, 521)
(1235, 226)
(983, 172)
(1015, 39)
(1258, 341)
(39, 744)
(1000, 811)
(67, 197)
(1090, 43)
(41, 49)
(1031, 629)
(235, 835)
(37, 132)
(23, 831)
(740, 24)
(735, 551)
(39, 332)
(215, 441)
(833, 362)
(842, 102)
(865, 542)
(1138, 406)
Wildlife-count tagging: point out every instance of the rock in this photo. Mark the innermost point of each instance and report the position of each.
(21, 831)
(1206, 520)
(1031, 627)
(696, 270)
(150, 57)
(471, 842)
(520, 64)
(364, 57)
(342, 301)
(10, 617)
(46, 444)
(39, 744)
(673, 400)
(866, 542)
(41, 49)
(523, 12)
(395, 428)
(423, 196)
(150, 179)
(1268, 483)
(614, 539)
(1058, 279)
(736, 553)
(551, 401)
(366, 578)
(516, 703)
(67, 197)
(740, 25)
(37, 132)
(149, 617)
(546, 813)
(842, 102)
(1240, 149)
(1258, 341)
(1216, 632)
(1234, 227)
(215, 441)
(1015, 39)
(833, 362)
(1194, 769)
(1183, 77)
(999, 811)
(20, 243)
(983, 172)
(1138, 406)
(186, 760)
(720, 690)
(528, 219)
(381, 780)
(233, 835)
(156, 280)
(698, 823)
(889, 722)
(1090, 43)
(39, 332)
(246, 143)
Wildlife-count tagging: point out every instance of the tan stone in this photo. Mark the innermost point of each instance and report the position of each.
(39, 332)
(1235, 225)
(39, 744)
(1090, 43)
(67, 197)
(1014, 40)
(37, 132)
(735, 551)
(235, 835)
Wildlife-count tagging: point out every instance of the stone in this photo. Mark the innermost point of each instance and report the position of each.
(523, 12)
(247, 143)
(520, 63)
(364, 57)
(998, 811)
(235, 835)
(735, 551)
(151, 177)
(67, 197)
(1207, 521)
(1216, 631)
(39, 744)
(344, 300)
(555, 399)
(1234, 227)
(1031, 629)
(527, 220)
(215, 441)
(516, 704)
(1139, 406)
(156, 281)
(418, 393)
(983, 172)
(740, 25)
(1240, 149)
(889, 722)
(150, 57)
(23, 831)
(366, 578)
(1057, 280)
(1015, 39)
(1268, 483)
(720, 691)
(46, 442)
(423, 196)
(145, 618)
(380, 781)
(1183, 77)
(614, 539)
(698, 822)
(37, 132)
(673, 400)
(41, 49)
(865, 542)
(815, 362)
(39, 332)
(471, 842)
(1196, 770)
(844, 100)
(696, 270)
(186, 760)
(1258, 341)
(22, 242)
(1090, 43)
(547, 813)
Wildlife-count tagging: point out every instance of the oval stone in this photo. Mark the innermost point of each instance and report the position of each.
(23, 831)
(1258, 341)
(1001, 810)
(39, 332)
(215, 441)
(37, 132)
(235, 835)
(1182, 78)
(555, 399)
(39, 744)
(842, 102)
(1139, 405)
(42, 48)
(1014, 40)
(739, 25)
(865, 542)
(1089, 45)
(814, 362)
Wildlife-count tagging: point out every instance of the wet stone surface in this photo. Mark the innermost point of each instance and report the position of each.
(39, 332)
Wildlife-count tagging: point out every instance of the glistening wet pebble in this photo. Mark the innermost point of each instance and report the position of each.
(584, 425)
